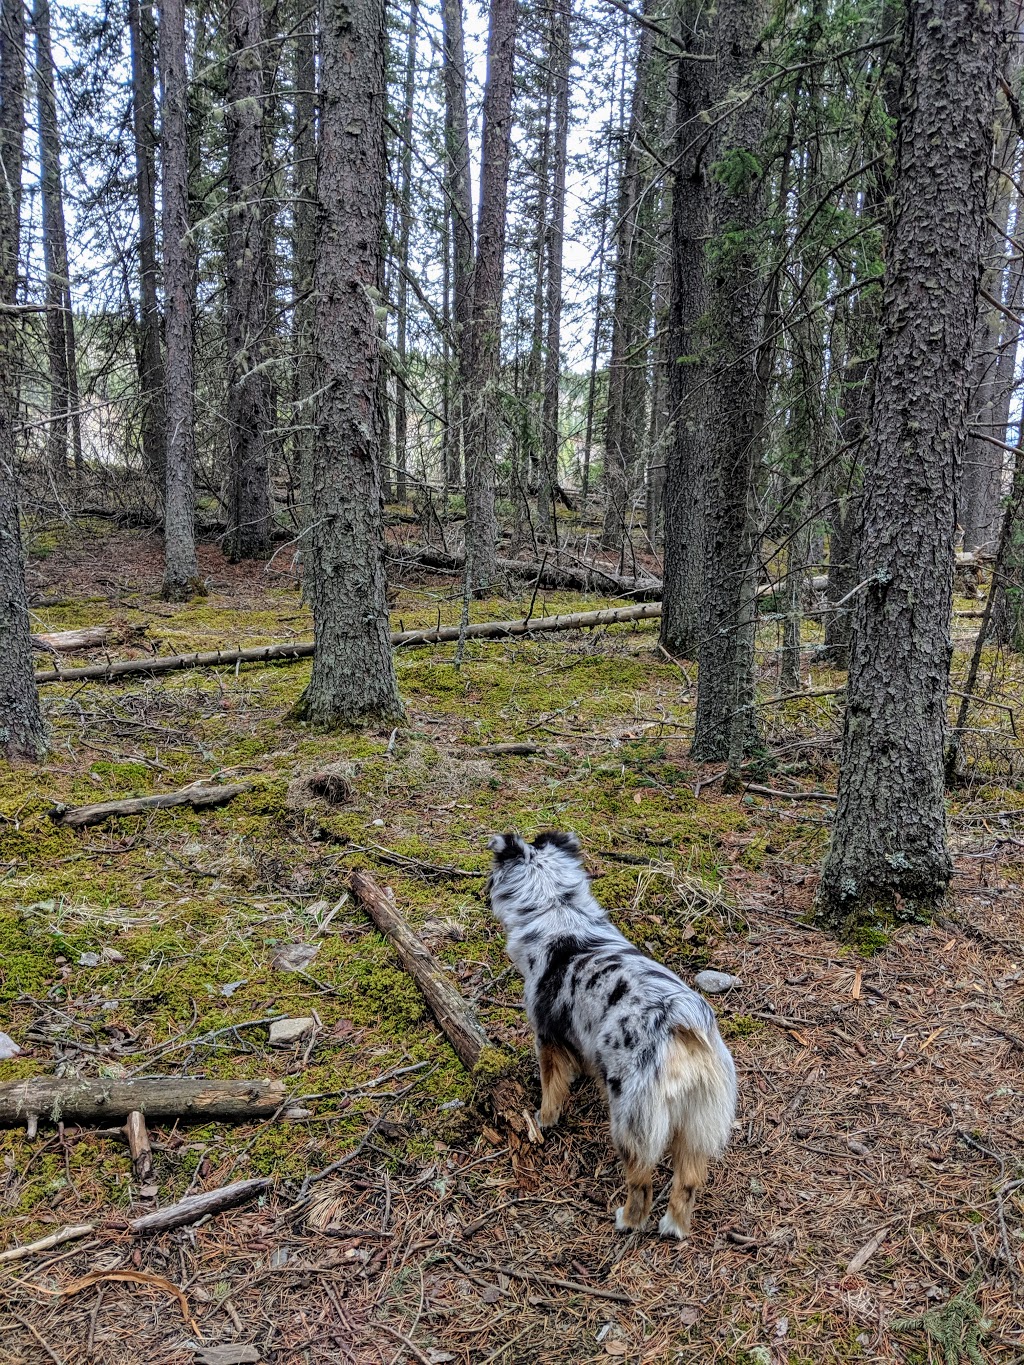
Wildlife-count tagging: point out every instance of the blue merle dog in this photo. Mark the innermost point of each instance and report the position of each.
(598, 1005)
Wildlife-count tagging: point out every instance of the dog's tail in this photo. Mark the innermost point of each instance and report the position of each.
(692, 1096)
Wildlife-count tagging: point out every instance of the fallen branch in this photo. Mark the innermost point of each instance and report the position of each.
(64, 641)
(111, 1100)
(789, 796)
(455, 1015)
(196, 1206)
(55, 1239)
(588, 577)
(198, 797)
(303, 649)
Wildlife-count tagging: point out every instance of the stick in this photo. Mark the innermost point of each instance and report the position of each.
(164, 1097)
(138, 1145)
(867, 1251)
(198, 797)
(55, 1239)
(789, 796)
(197, 1206)
(455, 1016)
(303, 649)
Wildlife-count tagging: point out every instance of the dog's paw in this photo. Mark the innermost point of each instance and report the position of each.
(542, 1123)
(620, 1221)
(668, 1227)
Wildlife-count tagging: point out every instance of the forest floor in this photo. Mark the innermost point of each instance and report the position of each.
(881, 1095)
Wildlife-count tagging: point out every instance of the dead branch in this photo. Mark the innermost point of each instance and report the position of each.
(64, 641)
(198, 797)
(197, 1206)
(111, 1100)
(55, 1239)
(588, 577)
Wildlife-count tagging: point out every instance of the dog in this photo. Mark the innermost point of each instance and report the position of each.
(598, 1005)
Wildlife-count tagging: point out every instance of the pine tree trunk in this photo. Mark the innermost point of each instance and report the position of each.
(404, 235)
(595, 348)
(181, 568)
(304, 244)
(481, 390)
(460, 213)
(22, 731)
(142, 32)
(888, 857)
(353, 673)
(688, 446)
(59, 319)
(732, 336)
(560, 57)
(246, 268)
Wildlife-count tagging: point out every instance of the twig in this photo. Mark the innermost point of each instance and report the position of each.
(55, 1239)
(789, 796)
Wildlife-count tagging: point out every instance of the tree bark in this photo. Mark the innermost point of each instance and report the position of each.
(142, 33)
(12, 131)
(404, 235)
(353, 670)
(460, 212)
(732, 337)
(304, 244)
(888, 857)
(181, 567)
(560, 57)
(75, 1100)
(22, 731)
(247, 288)
(480, 393)
(688, 445)
(60, 326)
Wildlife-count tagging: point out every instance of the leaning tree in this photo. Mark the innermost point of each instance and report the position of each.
(888, 856)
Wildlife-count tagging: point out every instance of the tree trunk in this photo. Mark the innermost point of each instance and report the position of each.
(732, 336)
(181, 567)
(627, 364)
(1007, 619)
(404, 234)
(460, 213)
(304, 244)
(481, 390)
(247, 277)
(60, 335)
(353, 670)
(595, 349)
(12, 131)
(22, 731)
(142, 32)
(560, 56)
(888, 857)
(687, 448)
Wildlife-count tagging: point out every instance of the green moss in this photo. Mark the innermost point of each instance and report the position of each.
(739, 1026)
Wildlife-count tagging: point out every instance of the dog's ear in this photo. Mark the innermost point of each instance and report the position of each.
(506, 847)
(567, 842)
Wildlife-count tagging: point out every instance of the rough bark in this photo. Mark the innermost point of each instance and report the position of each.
(731, 336)
(304, 244)
(247, 281)
(12, 130)
(480, 391)
(404, 235)
(561, 52)
(688, 444)
(888, 856)
(1007, 613)
(460, 212)
(77, 1100)
(181, 567)
(627, 369)
(60, 326)
(353, 670)
(142, 33)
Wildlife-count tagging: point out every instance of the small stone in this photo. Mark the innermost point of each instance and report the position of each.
(234, 1354)
(285, 1031)
(715, 983)
(8, 1048)
(111, 955)
(88, 959)
(294, 957)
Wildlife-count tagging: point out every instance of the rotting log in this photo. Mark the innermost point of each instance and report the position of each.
(111, 1100)
(64, 641)
(407, 639)
(196, 1206)
(501, 1090)
(586, 577)
(454, 1014)
(198, 797)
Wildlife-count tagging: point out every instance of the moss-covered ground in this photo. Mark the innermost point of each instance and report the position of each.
(147, 946)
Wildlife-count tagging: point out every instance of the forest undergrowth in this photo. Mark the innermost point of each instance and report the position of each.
(870, 1207)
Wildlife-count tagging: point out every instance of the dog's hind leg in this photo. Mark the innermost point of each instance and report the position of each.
(690, 1170)
(557, 1073)
(639, 1193)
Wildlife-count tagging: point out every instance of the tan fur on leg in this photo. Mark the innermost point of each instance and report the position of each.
(557, 1073)
(639, 1196)
(690, 1174)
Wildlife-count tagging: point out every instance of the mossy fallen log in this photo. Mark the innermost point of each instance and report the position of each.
(197, 796)
(47, 1099)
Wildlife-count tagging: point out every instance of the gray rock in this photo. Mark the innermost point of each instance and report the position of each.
(285, 1031)
(715, 983)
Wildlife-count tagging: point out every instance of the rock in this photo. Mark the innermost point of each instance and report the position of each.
(8, 1048)
(294, 957)
(285, 1031)
(715, 983)
(228, 1355)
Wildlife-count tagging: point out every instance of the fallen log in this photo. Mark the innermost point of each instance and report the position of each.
(199, 797)
(64, 641)
(111, 1100)
(587, 577)
(455, 1016)
(196, 1206)
(303, 649)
